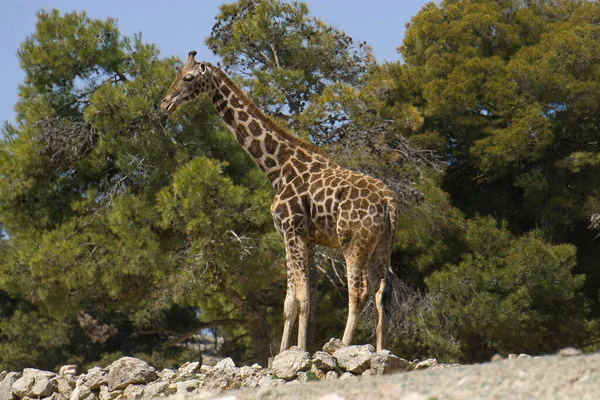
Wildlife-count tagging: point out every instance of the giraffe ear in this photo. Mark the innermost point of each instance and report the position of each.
(202, 67)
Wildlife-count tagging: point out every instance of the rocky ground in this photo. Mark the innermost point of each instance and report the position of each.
(343, 372)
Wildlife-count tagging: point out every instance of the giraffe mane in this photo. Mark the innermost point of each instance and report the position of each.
(244, 99)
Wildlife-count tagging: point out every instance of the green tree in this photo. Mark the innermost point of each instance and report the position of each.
(508, 92)
(507, 294)
(287, 58)
(92, 249)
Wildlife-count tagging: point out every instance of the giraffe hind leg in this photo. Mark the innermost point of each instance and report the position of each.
(357, 259)
(377, 272)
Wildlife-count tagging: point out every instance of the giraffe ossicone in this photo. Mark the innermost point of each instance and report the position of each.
(316, 201)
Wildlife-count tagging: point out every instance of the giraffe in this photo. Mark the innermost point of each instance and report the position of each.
(316, 201)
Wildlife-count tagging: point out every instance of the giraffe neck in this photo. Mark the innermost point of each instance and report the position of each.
(268, 145)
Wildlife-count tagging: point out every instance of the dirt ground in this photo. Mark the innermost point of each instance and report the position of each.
(548, 377)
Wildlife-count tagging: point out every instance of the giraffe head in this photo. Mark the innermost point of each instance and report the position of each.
(192, 79)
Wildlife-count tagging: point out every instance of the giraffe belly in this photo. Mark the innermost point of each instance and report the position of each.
(323, 231)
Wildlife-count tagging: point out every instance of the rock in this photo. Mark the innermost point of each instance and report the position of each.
(157, 389)
(3, 375)
(268, 381)
(133, 392)
(256, 367)
(332, 346)
(6, 386)
(225, 364)
(189, 368)
(385, 362)
(64, 385)
(167, 374)
(569, 352)
(331, 375)
(324, 360)
(431, 362)
(288, 363)
(356, 359)
(43, 387)
(68, 370)
(250, 383)
(22, 386)
(205, 369)
(96, 377)
(512, 356)
(496, 357)
(317, 373)
(104, 393)
(346, 376)
(129, 370)
(83, 393)
(56, 396)
(246, 372)
(186, 387)
(524, 356)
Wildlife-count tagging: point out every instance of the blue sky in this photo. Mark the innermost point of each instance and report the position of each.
(176, 27)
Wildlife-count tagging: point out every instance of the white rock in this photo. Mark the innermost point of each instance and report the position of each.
(431, 362)
(268, 381)
(83, 393)
(256, 367)
(104, 393)
(523, 355)
(68, 370)
(346, 376)
(356, 359)
(246, 372)
(225, 364)
(205, 369)
(128, 370)
(187, 387)
(22, 386)
(287, 364)
(96, 377)
(65, 385)
(331, 375)
(43, 387)
(569, 352)
(385, 362)
(157, 389)
(250, 383)
(189, 367)
(133, 392)
(56, 396)
(332, 346)
(6, 386)
(324, 360)
(496, 357)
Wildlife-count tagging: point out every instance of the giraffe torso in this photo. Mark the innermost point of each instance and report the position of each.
(327, 203)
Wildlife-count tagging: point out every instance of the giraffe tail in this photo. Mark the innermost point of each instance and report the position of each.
(390, 276)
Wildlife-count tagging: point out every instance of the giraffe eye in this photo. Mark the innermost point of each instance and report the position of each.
(188, 78)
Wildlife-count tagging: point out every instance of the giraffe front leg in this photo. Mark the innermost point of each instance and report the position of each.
(297, 299)
(290, 311)
(303, 296)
